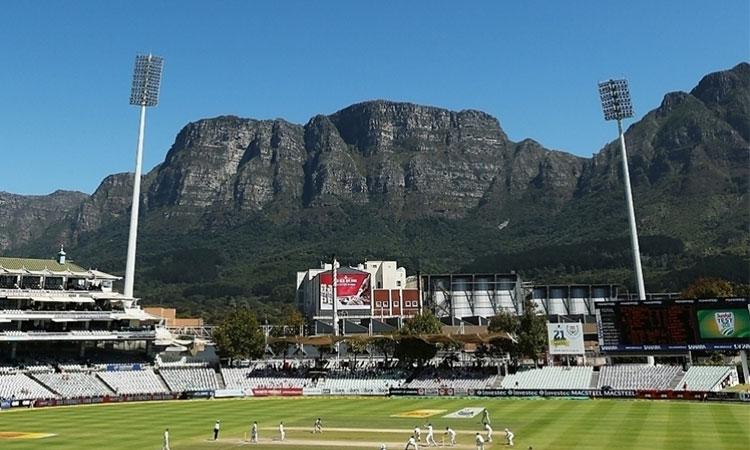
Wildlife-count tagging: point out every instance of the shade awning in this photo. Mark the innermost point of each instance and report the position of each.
(61, 299)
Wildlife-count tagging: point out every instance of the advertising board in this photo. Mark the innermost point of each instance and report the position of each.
(565, 338)
(352, 290)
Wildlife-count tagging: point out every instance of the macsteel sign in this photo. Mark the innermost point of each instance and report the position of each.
(352, 290)
(565, 338)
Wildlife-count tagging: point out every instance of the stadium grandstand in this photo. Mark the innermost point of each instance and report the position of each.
(67, 337)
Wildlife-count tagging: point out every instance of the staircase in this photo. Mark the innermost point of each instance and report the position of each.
(677, 379)
(594, 383)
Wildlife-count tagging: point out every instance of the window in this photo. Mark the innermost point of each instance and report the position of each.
(395, 303)
(377, 304)
(398, 283)
(407, 303)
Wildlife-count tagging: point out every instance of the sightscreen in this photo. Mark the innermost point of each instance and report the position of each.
(674, 325)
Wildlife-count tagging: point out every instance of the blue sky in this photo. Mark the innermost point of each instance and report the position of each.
(65, 122)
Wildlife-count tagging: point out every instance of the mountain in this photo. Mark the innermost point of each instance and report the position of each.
(238, 204)
(24, 218)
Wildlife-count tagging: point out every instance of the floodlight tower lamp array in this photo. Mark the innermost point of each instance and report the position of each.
(616, 104)
(144, 93)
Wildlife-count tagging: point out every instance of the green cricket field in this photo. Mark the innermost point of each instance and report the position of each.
(366, 423)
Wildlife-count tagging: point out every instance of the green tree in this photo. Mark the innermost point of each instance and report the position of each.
(356, 346)
(529, 331)
(708, 288)
(532, 332)
(385, 346)
(410, 347)
(240, 336)
(425, 323)
(290, 322)
(504, 322)
(293, 318)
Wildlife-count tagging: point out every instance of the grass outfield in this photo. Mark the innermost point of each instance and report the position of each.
(365, 422)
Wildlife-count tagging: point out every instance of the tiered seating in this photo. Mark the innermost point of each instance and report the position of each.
(38, 368)
(461, 379)
(134, 382)
(637, 376)
(550, 378)
(244, 378)
(190, 379)
(21, 387)
(357, 383)
(459, 383)
(707, 378)
(76, 384)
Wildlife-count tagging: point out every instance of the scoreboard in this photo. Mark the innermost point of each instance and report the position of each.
(674, 325)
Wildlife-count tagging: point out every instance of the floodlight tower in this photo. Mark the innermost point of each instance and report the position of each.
(616, 104)
(145, 92)
(334, 286)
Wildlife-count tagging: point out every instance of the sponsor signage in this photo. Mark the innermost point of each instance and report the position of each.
(227, 393)
(565, 338)
(553, 393)
(465, 413)
(674, 325)
(352, 290)
(406, 391)
(278, 392)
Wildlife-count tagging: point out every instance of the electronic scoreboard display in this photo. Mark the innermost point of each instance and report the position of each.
(674, 325)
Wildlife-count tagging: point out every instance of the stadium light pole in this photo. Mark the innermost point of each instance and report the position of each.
(335, 318)
(144, 93)
(616, 104)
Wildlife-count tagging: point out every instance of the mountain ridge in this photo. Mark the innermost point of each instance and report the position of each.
(423, 184)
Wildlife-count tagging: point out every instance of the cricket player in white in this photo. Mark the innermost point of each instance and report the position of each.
(254, 433)
(451, 435)
(430, 440)
(488, 429)
(282, 435)
(509, 436)
(318, 427)
(418, 433)
(411, 444)
(166, 440)
(480, 442)
(485, 416)
(217, 426)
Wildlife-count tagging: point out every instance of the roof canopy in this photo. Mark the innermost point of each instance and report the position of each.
(48, 267)
(474, 338)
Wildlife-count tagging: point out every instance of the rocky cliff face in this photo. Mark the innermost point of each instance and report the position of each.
(27, 217)
(418, 160)
(688, 159)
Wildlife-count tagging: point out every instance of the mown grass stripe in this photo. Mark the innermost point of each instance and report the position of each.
(546, 424)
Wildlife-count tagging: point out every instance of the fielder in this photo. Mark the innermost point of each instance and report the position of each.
(480, 442)
(418, 433)
(254, 433)
(217, 426)
(430, 440)
(451, 435)
(282, 434)
(412, 444)
(485, 416)
(488, 429)
(509, 436)
(166, 440)
(318, 427)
